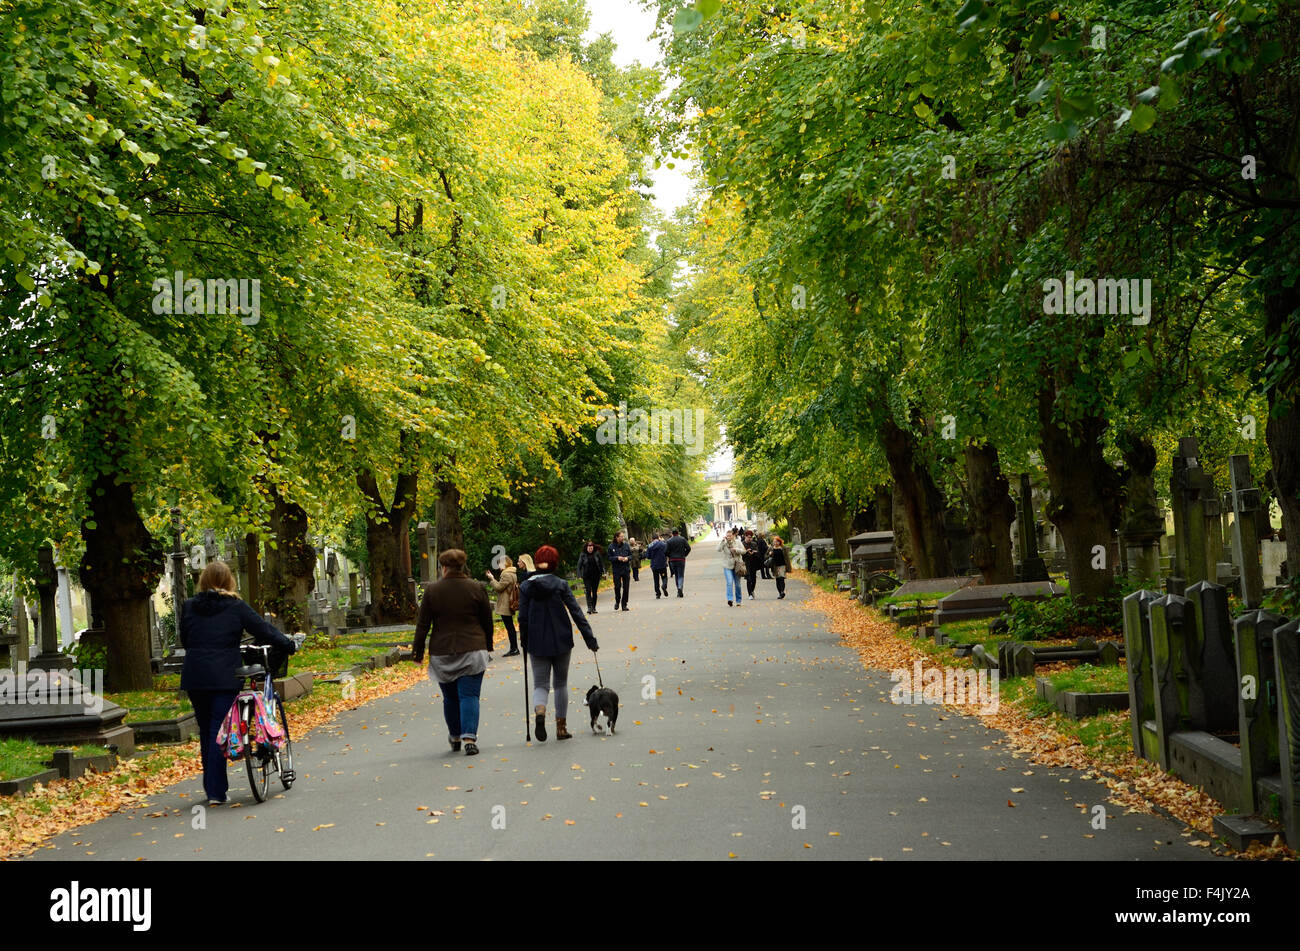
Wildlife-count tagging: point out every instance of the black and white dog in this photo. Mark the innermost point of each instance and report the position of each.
(603, 700)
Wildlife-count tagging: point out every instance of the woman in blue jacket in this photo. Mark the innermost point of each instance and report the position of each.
(212, 623)
(546, 603)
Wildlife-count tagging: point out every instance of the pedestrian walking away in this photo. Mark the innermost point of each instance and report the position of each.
(507, 601)
(212, 623)
(456, 618)
(657, 552)
(546, 605)
(780, 562)
(733, 564)
(678, 549)
(591, 569)
(524, 567)
(763, 548)
(620, 566)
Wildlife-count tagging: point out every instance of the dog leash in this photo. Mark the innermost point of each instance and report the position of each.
(599, 680)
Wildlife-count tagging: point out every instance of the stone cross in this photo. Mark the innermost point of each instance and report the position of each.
(1244, 502)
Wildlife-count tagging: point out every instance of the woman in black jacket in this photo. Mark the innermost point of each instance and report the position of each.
(546, 605)
(212, 623)
(590, 569)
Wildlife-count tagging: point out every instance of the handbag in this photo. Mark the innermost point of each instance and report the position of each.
(514, 599)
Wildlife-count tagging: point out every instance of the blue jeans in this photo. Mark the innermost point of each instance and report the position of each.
(678, 568)
(210, 709)
(460, 706)
(731, 583)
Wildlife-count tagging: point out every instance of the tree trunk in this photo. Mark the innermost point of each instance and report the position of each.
(812, 521)
(388, 545)
(990, 514)
(290, 565)
(120, 568)
(1283, 429)
(1085, 495)
(253, 556)
(840, 527)
(450, 534)
(884, 509)
(921, 501)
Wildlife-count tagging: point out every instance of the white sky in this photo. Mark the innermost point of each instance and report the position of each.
(631, 25)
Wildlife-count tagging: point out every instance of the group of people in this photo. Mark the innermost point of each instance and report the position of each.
(666, 553)
(747, 555)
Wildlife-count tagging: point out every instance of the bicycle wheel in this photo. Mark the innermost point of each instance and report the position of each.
(287, 775)
(256, 761)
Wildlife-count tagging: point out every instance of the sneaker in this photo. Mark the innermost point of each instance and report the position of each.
(455, 745)
(539, 727)
(217, 802)
(625, 607)
(471, 748)
(680, 595)
(728, 604)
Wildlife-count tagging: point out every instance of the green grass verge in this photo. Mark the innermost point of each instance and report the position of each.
(21, 758)
(1089, 679)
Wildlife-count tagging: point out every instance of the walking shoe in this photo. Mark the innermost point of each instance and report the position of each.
(471, 748)
(217, 802)
(625, 607)
(539, 727)
(561, 729)
(455, 745)
(511, 653)
(728, 604)
(680, 595)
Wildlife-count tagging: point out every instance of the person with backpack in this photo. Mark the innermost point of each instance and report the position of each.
(780, 563)
(456, 618)
(590, 570)
(657, 552)
(546, 605)
(620, 566)
(507, 592)
(678, 549)
(212, 624)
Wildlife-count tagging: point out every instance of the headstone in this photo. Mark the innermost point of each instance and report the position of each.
(1286, 653)
(22, 649)
(66, 638)
(1210, 662)
(796, 537)
(1272, 555)
(1032, 566)
(1189, 488)
(1169, 659)
(1256, 686)
(990, 600)
(47, 581)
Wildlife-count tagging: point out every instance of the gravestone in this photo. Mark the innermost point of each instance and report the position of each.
(21, 652)
(1272, 556)
(1257, 688)
(1032, 566)
(1141, 676)
(66, 633)
(47, 580)
(60, 708)
(796, 537)
(990, 600)
(1286, 653)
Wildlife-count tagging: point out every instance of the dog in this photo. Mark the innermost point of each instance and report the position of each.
(603, 700)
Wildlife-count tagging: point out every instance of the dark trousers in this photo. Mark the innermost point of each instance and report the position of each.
(661, 580)
(678, 568)
(591, 585)
(621, 579)
(751, 576)
(210, 709)
(780, 583)
(636, 571)
(509, 621)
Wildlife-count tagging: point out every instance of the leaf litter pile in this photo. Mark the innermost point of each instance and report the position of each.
(27, 824)
(1134, 783)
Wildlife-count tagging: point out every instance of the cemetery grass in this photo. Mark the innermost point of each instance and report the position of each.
(1100, 747)
(27, 823)
(21, 758)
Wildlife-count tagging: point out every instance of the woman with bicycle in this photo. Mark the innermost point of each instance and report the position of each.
(212, 623)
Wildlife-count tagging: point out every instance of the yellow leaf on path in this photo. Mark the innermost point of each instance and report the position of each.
(731, 855)
(569, 822)
(327, 825)
(1017, 789)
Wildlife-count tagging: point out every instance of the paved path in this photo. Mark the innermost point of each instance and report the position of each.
(755, 711)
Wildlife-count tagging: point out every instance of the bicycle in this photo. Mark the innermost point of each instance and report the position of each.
(262, 758)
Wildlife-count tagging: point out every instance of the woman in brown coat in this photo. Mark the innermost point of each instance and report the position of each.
(456, 618)
(504, 588)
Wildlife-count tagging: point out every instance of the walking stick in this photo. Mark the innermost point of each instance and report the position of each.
(528, 728)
